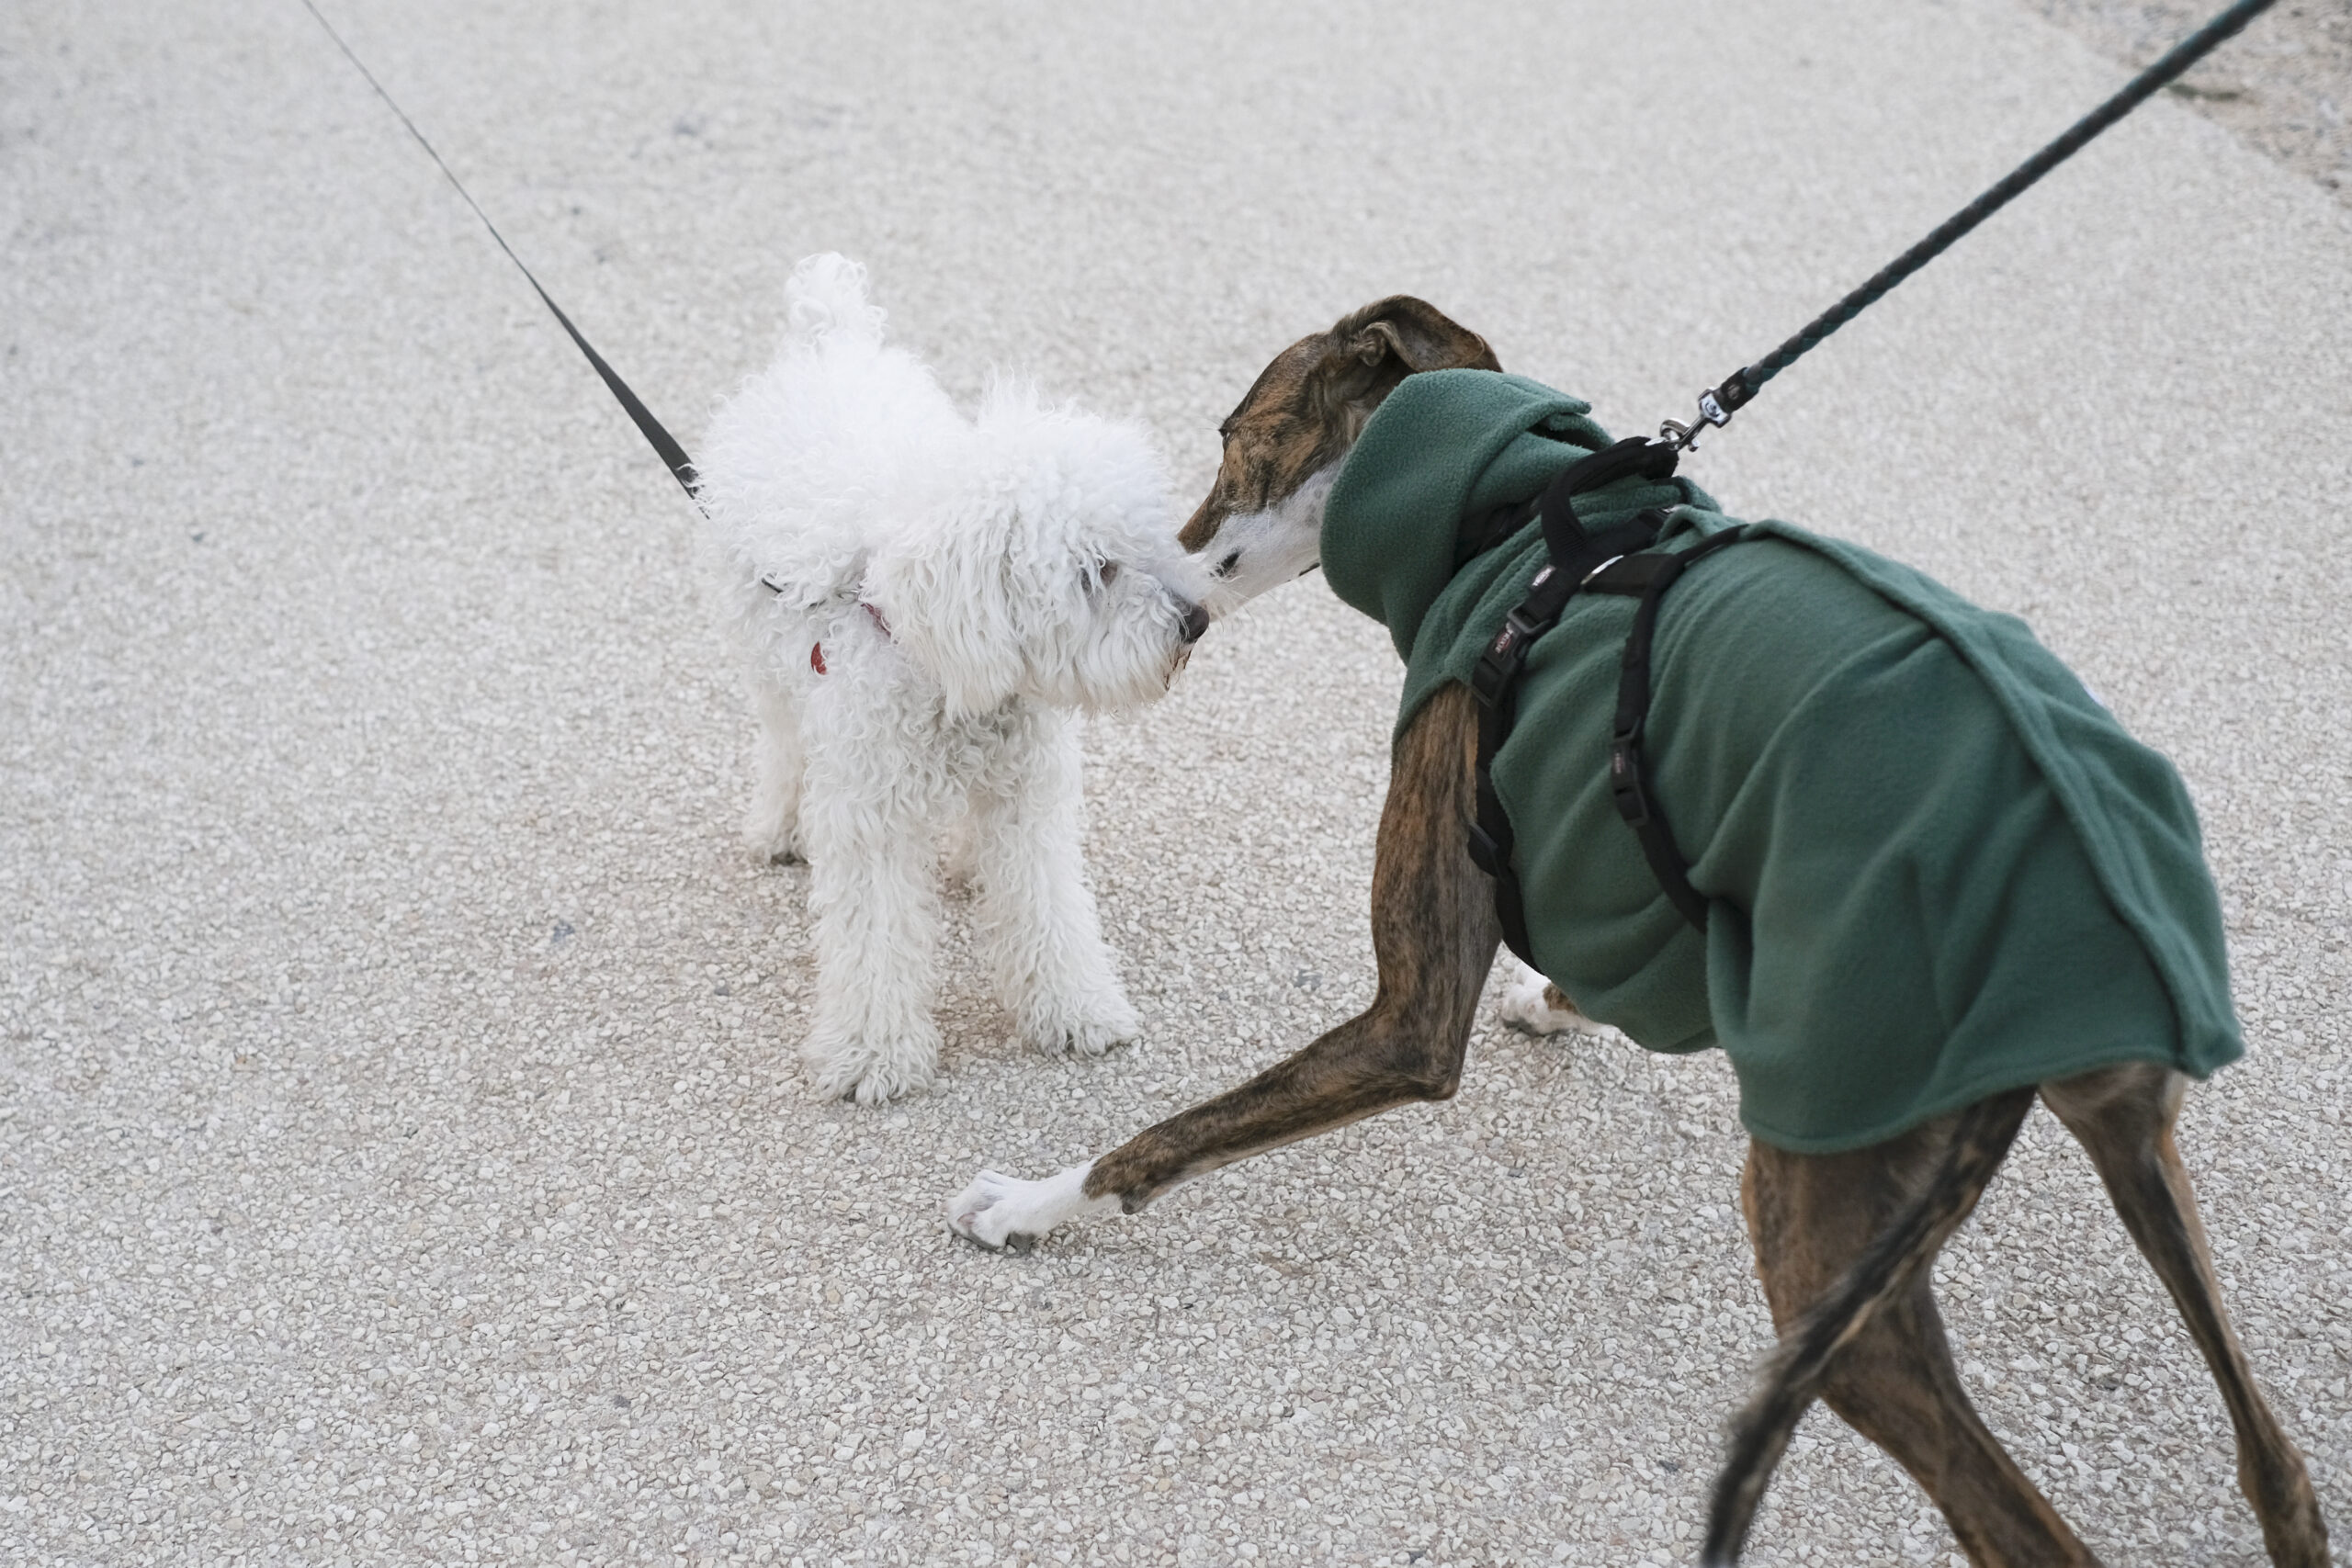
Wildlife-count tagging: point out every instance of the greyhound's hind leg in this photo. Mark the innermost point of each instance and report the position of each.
(1812, 1217)
(2123, 1117)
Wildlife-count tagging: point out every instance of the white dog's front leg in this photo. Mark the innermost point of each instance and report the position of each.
(772, 827)
(1054, 973)
(998, 1210)
(868, 815)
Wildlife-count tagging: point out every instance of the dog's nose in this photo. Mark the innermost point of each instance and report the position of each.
(1196, 621)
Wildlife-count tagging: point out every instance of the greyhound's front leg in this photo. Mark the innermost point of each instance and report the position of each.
(1434, 935)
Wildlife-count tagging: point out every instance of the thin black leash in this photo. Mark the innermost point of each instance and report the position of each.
(664, 444)
(1716, 407)
(1609, 563)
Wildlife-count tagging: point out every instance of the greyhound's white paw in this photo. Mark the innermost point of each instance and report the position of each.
(998, 1212)
(1534, 1006)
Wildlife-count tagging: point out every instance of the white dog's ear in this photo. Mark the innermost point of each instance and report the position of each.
(949, 603)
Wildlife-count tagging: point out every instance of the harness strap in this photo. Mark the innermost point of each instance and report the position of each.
(1478, 536)
(1648, 576)
(1575, 554)
(1636, 456)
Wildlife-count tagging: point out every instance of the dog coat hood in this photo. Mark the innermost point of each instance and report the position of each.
(1936, 866)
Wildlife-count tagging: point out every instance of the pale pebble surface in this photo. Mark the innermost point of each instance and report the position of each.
(403, 1154)
(2284, 84)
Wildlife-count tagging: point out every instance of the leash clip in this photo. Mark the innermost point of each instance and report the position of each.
(1685, 437)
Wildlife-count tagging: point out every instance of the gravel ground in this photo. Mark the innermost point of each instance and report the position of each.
(2284, 84)
(401, 1154)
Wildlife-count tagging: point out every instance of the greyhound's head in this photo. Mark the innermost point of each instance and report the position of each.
(1262, 523)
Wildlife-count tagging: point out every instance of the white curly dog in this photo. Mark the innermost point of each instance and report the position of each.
(925, 600)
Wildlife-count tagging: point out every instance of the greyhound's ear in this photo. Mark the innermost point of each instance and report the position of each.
(1416, 334)
(1375, 348)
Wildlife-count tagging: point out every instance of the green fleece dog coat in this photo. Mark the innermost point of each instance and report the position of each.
(1936, 867)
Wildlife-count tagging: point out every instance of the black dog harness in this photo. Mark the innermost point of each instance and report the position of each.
(1617, 560)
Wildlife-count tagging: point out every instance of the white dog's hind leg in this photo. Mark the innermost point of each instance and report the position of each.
(1035, 913)
(1002, 1211)
(868, 817)
(955, 848)
(1534, 1006)
(772, 827)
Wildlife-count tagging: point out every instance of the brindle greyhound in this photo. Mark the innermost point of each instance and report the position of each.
(1843, 1242)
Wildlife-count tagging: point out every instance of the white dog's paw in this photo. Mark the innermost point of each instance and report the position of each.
(772, 838)
(871, 1074)
(959, 853)
(1534, 1006)
(999, 1211)
(1087, 1030)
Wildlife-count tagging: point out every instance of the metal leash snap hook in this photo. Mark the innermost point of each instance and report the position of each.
(1685, 437)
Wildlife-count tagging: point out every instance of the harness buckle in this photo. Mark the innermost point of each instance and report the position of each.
(1504, 655)
(1626, 786)
(1494, 670)
(1485, 853)
(1526, 630)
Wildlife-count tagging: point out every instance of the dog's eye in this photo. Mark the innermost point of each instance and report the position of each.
(1101, 574)
(1224, 568)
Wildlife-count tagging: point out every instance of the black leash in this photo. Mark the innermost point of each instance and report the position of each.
(1715, 407)
(1620, 561)
(664, 444)
(1739, 389)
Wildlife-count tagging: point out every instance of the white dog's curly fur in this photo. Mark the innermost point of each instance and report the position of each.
(924, 599)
